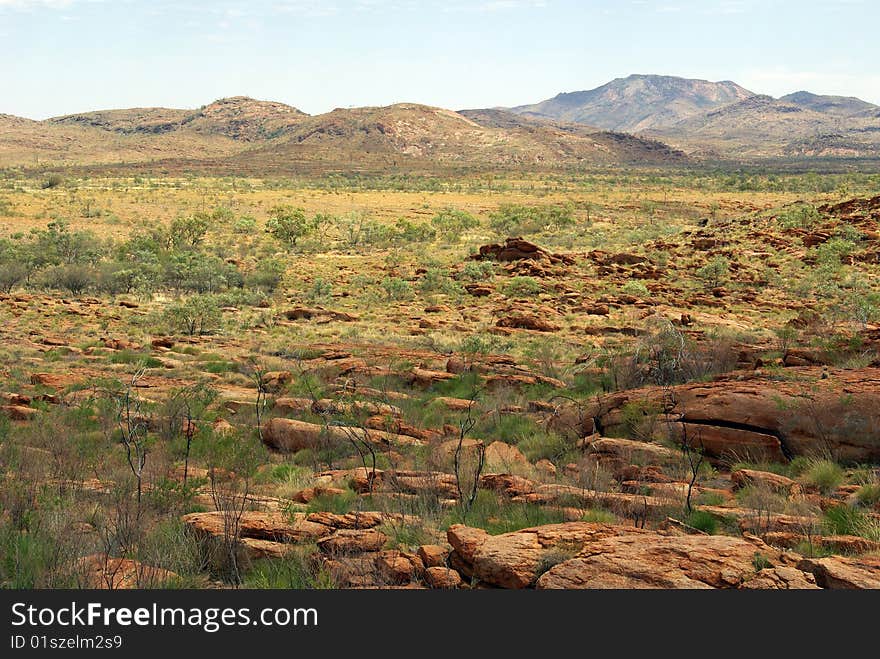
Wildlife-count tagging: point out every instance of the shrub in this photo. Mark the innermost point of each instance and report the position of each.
(196, 315)
(517, 219)
(288, 224)
(844, 520)
(51, 181)
(702, 520)
(189, 231)
(825, 475)
(199, 272)
(396, 288)
(714, 272)
(522, 286)
(452, 222)
(74, 278)
(320, 291)
(868, 495)
(267, 275)
(636, 288)
(411, 232)
(12, 273)
(477, 271)
(245, 224)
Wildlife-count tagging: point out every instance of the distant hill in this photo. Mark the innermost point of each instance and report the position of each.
(640, 119)
(247, 135)
(763, 127)
(410, 133)
(638, 102)
(841, 106)
(238, 118)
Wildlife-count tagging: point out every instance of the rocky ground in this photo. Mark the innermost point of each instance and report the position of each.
(682, 459)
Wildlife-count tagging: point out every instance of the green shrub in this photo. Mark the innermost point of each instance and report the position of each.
(868, 495)
(636, 288)
(714, 272)
(246, 224)
(196, 315)
(74, 278)
(517, 219)
(845, 520)
(702, 520)
(412, 232)
(825, 475)
(288, 224)
(522, 287)
(267, 275)
(396, 288)
(477, 271)
(453, 223)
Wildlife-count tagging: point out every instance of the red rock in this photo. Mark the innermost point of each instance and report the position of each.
(528, 322)
(351, 541)
(434, 555)
(108, 573)
(18, 412)
(442, 577)
(838, 572)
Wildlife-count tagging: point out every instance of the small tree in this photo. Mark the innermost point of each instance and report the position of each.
(714, 272)
(196, 315)
(189, 231)
(288, 224)
(451, 223)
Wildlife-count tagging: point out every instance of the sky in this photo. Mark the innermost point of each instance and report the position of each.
(66, 56)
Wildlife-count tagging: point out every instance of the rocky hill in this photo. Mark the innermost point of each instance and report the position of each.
(842, 106)
(414, 133)
(761, 126)
(638, 102)
(243, 134)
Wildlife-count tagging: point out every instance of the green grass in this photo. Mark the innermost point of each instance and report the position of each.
(132, 357)
(296, 571)
(702, 520)
(825, 475)
(845, 520)
(868, 495)
(333, 503)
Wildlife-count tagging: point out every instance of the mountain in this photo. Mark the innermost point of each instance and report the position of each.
(419, 135)
(245, 135)
(764, 127)
(237, 117)
(638, 102)
(841, 106)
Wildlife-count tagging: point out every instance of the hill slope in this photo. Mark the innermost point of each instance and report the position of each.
(841, 106)
(761, 127)
(638, 102)
(412, 134)
(237, 117)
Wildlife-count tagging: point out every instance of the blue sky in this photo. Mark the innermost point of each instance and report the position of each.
(64, 56)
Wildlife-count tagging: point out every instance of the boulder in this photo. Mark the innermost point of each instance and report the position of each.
(434, 555)
(442, 577)
(353, 541)
(108, 573)
(651, 560)
(514, 560)
(745, 477)
(291, 435)
(839, 572)
(527, 322)
(752, 415)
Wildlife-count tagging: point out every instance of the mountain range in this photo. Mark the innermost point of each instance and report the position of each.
(645, 119)
(722, 119)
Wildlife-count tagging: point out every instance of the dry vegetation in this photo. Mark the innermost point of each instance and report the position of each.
(346, 381)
